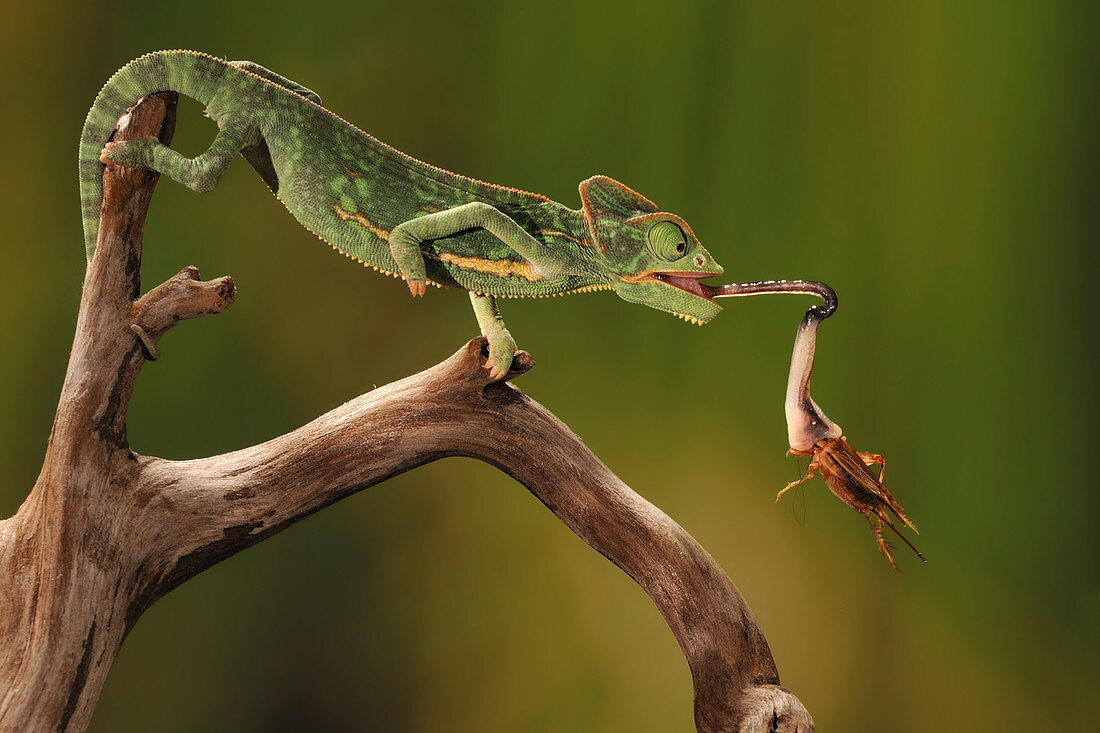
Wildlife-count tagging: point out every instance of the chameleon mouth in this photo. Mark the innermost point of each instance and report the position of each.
(689, 283)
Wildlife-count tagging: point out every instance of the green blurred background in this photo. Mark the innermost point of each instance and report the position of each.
(935, 162)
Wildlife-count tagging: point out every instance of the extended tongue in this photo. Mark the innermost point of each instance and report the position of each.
(771, 287)
(807, 423)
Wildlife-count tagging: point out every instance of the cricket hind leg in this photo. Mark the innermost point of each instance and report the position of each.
(871, 459)
(883, 545)
(883, 518)
(201, 173)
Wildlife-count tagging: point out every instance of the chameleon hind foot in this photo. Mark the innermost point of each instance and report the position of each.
(133, 153)
(201, 173)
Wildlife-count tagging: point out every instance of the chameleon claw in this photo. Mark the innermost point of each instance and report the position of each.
(498, 368)
(418, 288)
(499, 361)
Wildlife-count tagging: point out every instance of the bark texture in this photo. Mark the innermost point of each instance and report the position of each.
(106, 532)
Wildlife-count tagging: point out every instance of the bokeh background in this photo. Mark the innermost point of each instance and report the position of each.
(934, 161)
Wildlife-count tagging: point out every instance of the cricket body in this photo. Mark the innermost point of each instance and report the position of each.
(848, 475)
(397, 214)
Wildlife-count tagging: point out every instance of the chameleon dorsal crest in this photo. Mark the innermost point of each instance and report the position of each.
(607, 204)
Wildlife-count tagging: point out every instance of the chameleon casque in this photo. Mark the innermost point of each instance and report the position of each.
(397, 214)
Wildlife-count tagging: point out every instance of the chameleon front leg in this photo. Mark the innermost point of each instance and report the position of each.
(201, 173)
(406, 239)
(501, 345)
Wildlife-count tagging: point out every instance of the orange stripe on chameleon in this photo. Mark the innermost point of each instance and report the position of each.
(575, 240)
(500, 268)
(360, 219)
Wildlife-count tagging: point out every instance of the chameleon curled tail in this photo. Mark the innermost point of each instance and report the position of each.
(397, 214)
(194, 74)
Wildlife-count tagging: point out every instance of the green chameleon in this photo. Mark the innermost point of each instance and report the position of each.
(397, 214)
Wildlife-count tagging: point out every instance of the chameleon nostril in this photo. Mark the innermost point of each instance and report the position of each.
(700, 260)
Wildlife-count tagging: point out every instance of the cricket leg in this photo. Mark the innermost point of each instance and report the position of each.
(871, 459)
(201, 173)
(884, 517)
(810, 472)
(501, 345)
(407, 239)
(883, 545)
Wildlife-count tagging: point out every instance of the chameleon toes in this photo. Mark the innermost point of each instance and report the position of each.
(103, 153)
(418, 288)
(133, 153)
(499, 361)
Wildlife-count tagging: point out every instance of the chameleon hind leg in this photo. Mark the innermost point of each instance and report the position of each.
(406, 239)
(501, 345)
(201, 173)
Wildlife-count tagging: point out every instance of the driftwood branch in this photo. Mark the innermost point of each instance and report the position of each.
(106, 532)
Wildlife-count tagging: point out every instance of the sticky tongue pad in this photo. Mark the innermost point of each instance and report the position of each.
(807, 423)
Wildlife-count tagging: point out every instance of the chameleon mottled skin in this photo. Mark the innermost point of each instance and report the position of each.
(395, 213)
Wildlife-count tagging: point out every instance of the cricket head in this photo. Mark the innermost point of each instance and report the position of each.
(651, 257)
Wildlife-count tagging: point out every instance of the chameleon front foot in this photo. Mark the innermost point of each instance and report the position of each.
(499, 361)
(502, 347)
(417, 287)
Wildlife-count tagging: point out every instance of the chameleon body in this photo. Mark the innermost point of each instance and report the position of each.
(397, 214)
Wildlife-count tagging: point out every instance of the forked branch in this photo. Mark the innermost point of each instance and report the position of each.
(105, 532)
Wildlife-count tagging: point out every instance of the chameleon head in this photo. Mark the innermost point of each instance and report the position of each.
(649, 256)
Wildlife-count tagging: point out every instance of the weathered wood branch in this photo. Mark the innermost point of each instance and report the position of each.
(106, 532)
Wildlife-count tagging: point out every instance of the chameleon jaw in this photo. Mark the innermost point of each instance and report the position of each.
(687, 281)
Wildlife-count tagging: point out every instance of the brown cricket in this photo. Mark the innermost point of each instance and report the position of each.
(845, 471)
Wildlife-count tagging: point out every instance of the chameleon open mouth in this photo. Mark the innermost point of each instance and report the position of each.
(689, 282)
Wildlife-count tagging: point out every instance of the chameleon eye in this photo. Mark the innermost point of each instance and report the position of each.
(667, 241)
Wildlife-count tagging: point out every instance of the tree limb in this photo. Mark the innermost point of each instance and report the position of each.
(105, 532)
